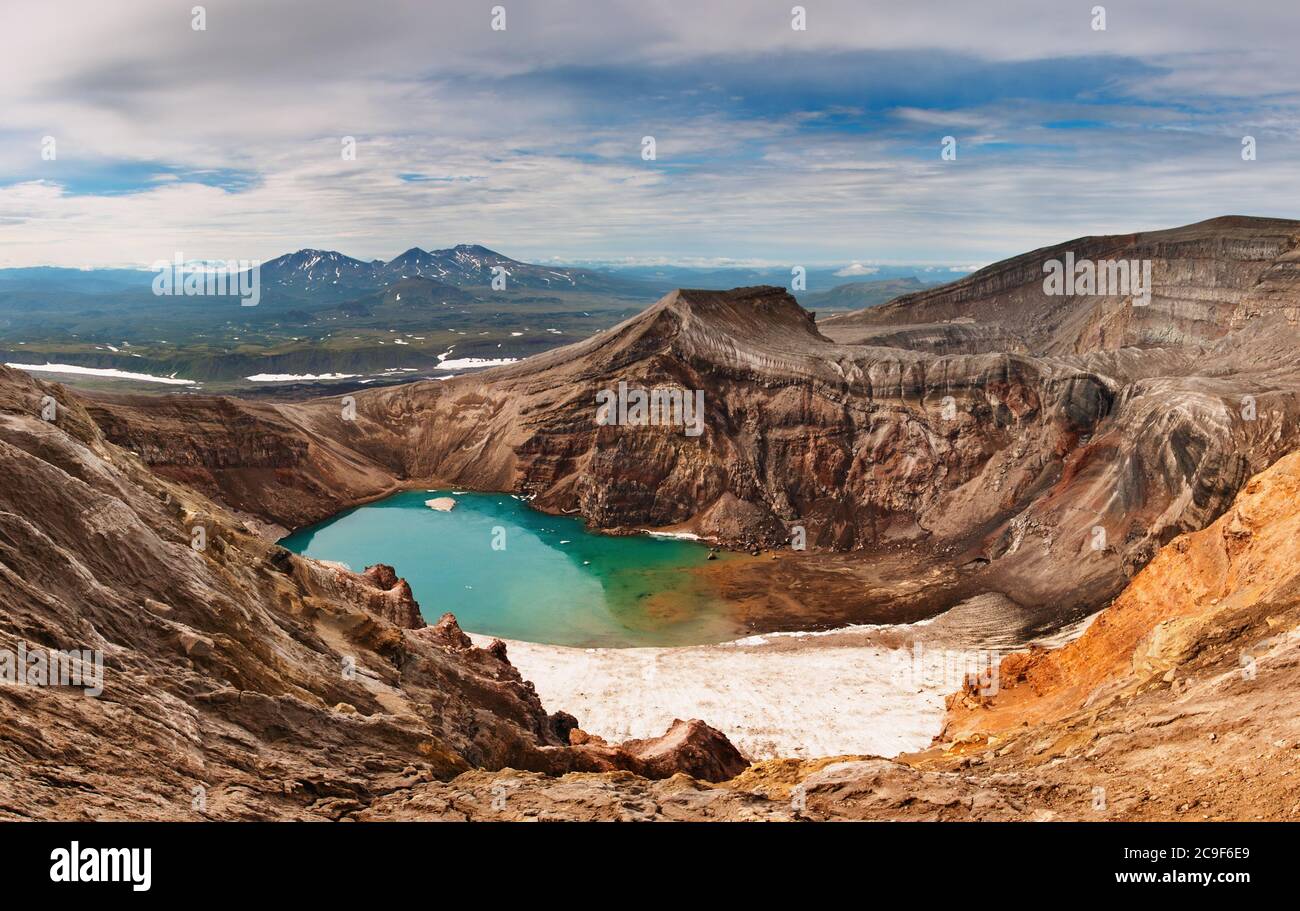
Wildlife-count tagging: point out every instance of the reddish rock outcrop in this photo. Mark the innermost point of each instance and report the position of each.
(448, 632)
(687, 746)
(1202, 591)
(690, 747)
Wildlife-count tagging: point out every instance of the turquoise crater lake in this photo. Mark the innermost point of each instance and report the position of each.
(554, 581)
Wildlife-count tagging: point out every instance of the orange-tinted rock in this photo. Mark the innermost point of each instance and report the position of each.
(1246, 560)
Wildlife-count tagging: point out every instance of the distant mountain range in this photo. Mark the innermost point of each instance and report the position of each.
(817, 279)
(313, 272)
(336, 276)
(329, 276)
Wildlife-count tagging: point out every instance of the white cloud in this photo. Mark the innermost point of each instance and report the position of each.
(940, 118)
(431, 89)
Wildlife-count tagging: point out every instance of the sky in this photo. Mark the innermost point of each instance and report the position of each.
(773, 145)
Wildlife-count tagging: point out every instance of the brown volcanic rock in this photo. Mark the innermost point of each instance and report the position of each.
(1008, 468)
(1242, 569)
(448, 632)
(240, 681)
(287, 688)
(1209, 279)
(608, 797)
(250, 456)
(691, 747)
(957, 337)
(378, 589)
(853, 788)
(687, 747)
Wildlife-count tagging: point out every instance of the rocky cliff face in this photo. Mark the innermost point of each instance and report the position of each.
(1048, 479)
(239, 681)
(1227, 591)
(250, 456)
(1208, 279)
(1177, 700)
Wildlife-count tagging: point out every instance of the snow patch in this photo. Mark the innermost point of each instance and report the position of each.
(107, 372)
(295, 377)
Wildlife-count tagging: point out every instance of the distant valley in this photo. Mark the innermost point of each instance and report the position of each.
(327, 320)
